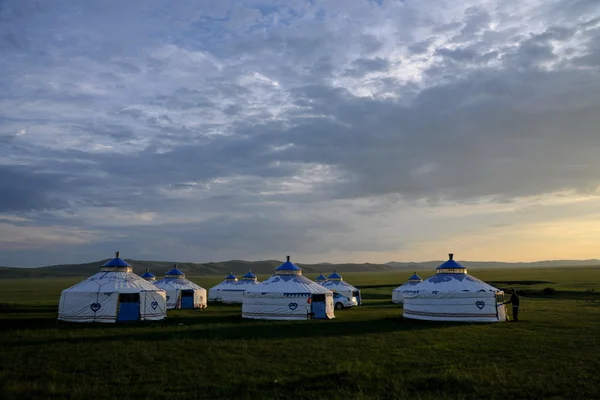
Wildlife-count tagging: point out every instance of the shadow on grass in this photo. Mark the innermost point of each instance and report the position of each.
(390, 285)
(24, 309)
(381, 304)
(237, 328)
(493, 283)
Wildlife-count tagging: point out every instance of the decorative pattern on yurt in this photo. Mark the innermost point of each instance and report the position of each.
(215, 293)
(114, 294)
(287, 295)
(453, 295)
(398, 296)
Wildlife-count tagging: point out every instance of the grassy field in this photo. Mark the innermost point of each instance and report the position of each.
(368, 352)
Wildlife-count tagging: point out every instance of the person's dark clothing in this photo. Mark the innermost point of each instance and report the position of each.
(514, 299)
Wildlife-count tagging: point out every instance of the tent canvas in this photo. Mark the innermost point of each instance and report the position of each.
(453, 295)
(398, 293)
(336, 283)
(215, 292)
(233, 294)
(287, 295)
(174, 283)
(96, 299)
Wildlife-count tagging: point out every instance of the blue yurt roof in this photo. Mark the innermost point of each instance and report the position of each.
(231, 276)
(249, 275)
(287, 266)
(415, 278)
(148, 275)
(335, 275)
(175, 272)
(116, 262)
(321, 278)
(450, 265)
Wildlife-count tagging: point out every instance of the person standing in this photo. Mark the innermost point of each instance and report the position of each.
(514, 300)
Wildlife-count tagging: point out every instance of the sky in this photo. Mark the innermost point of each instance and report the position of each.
(337, 131)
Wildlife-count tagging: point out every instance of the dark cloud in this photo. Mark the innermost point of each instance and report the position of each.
(26, 189)
(237, 131)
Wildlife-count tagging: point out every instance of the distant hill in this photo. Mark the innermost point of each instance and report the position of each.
(193, 269)
(239, 267)
(498, 264)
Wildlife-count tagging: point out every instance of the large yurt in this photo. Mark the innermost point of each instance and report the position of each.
(181, 293)
(235, 293)
(336, 283)
(453, 295)
(287, 295)
(215, 293)
(115, 294)
(397, 296)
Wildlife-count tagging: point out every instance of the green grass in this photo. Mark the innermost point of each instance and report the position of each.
(367, 352)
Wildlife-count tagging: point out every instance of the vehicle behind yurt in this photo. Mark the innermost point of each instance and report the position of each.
(181, 293)
(287, 295)
(397, 294)
(336, 283)
(215, 293)
(115, 294)
(233, 294)
(453, 295)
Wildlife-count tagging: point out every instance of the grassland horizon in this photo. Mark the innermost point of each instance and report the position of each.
(368, 352)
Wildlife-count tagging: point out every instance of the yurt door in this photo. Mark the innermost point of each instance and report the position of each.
(187, 299)
(318, 306)
(129, 307)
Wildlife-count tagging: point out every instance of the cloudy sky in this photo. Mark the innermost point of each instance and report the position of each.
(329, 130)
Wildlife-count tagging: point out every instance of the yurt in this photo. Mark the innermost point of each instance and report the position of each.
(115, 294)
(148, 276)
(336, 283)
(235, 293)
(453, 295)
(181, 293)
(397, 296)
(215, 293)
(321, 279)
(287, 295)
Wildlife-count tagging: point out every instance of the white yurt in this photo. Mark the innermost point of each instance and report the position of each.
(148, 276)
(336, 283)
(181, 293)
(321, 279)
(397, 296)
(453, 295)
(114, 294)
(215, 292)
(235, 293)
(287, 295)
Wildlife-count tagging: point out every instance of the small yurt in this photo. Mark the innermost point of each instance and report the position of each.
(115, 294)
(397, 296)
(336, 283)
(287, 295)
(235, 293)
(215, 293)
(453, 295)
(149, 276)
(321, 279)
(181, 293)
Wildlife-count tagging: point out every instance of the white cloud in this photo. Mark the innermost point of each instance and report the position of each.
(345, 131)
